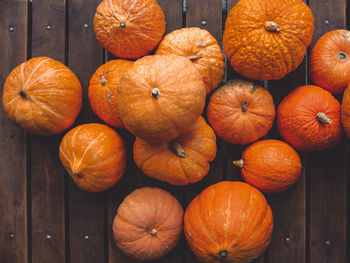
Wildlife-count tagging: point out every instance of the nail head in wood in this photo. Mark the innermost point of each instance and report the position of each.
(204, 23)
(48, 27)
(12, 235)
(287, 239)
(11, 29)
(48, 237)
(86, 237)
(327, 21)
(85, 26)
(328, 242)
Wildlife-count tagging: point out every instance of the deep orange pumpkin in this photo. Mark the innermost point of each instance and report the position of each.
(345, 111)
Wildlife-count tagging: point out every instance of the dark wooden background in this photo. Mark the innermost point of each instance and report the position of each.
(44, 217)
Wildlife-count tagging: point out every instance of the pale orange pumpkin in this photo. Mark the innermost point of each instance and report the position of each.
(345, 111)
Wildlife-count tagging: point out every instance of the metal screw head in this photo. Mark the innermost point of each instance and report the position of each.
(12, 235)
(327, 22)
(48, 27)
(11, 29)
(328, 242)
(86, 237)
(204, 23)
(287, 239)
(85, 26)
(48, 237)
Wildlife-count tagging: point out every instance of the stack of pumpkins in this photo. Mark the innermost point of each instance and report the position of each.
(160, 98)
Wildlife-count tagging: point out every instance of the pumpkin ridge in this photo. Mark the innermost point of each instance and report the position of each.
(156, 152)
(45, 107)
(282, 56)
(29, 78)
(91, 165)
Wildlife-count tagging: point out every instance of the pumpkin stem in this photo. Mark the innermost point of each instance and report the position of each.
(238, 163)
(122, 24)
(223, 254)
(346, 35)
(103, 78)
(155, 92)
(21, 93)
(177, 149)
(342, 56)
(194, 57)
(322, 117)
(75, 174)
(153, 232)
(272, 26)
(244, 106)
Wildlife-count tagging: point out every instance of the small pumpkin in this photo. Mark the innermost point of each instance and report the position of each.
(148, 223)
(241, 111)
(129, 28)
(228, 222)
(103, 90)
(183, 161)
(201, 48)
(345, 111)
(42, 96)
(330, 62)
(267, 39)
(272, 166)
(309, 119)
(94, 156)
(160, 97)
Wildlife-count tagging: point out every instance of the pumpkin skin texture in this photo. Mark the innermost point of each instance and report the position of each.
(271, 166)
(94, 156)
(228, 222)
(183, 161)
(241, 112)
(309, 119)
(129, 28)
(42, 96)
(103, 90)
(201, 48)
(345, 111)
(267, 39)
(160, 97)
(330, 62)
(148, 223)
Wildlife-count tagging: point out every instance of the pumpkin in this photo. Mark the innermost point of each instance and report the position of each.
(309, 119)
(272, 166)
(201, 48)
(148, 223)
(182, 161)
(129, 28)
(160, 97)
(94, 156)
(241, 111)
(267, 39)
(329, 61)
(103, 90)
(228, 222)
(345, 111)
(42, 96)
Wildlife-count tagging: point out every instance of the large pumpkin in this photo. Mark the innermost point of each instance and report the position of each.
(160, 97)
(345, 111)
(267, 39)
(103, 90)
(94, 156)
(330, 62)
(42, 96)
(241, 111)
(201, 48)
(228, 222)
(148, 223)
(309, 119)
(129, 28)
(182, 161)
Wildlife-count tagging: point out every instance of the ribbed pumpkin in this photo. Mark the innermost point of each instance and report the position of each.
(345, 111)
(228, 222)
(43, 96)
(94, 156)
(241, 111)
(160, 97)
(103, 90)
(272, 166)
(201, 48)
(129, 28)
(329, 61)
(267, 39)
(183, 161)
(309, 119)
(148, 223)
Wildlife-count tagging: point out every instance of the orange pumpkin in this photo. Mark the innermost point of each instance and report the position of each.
(228, 222)
(309, 119)
(148, 223)
(267, 39)
(329, 61)
(160, 97)
(241, 112)
(345, 111)
(129, 28)
(103, 90)
(183, 161)
(94, 156)
(272, 166)
(201, 48)
(42, 96)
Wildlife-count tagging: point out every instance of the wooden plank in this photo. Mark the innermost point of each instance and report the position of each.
(13, 187)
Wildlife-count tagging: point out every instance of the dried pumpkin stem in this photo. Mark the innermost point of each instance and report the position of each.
(153, 232)
(272, 26)
(238, 163)
(322, 117)
(342, 56)
(155, 93)
(244, 106)
(103, 80)
(177, 149)
(122, 24)
(194, 57)
(22, 93)
(223, 254)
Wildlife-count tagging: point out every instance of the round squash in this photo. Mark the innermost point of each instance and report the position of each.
(129, 28)
(148, 223)
(42, 96)
(228, 222)
(309, 119)
(345, 111)
(201, 48)
(272, 166)
(94, 156)
(267, 39)
(183, 161)
(160, 97)
(241, 112)
(103, 90)
(330, 61)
